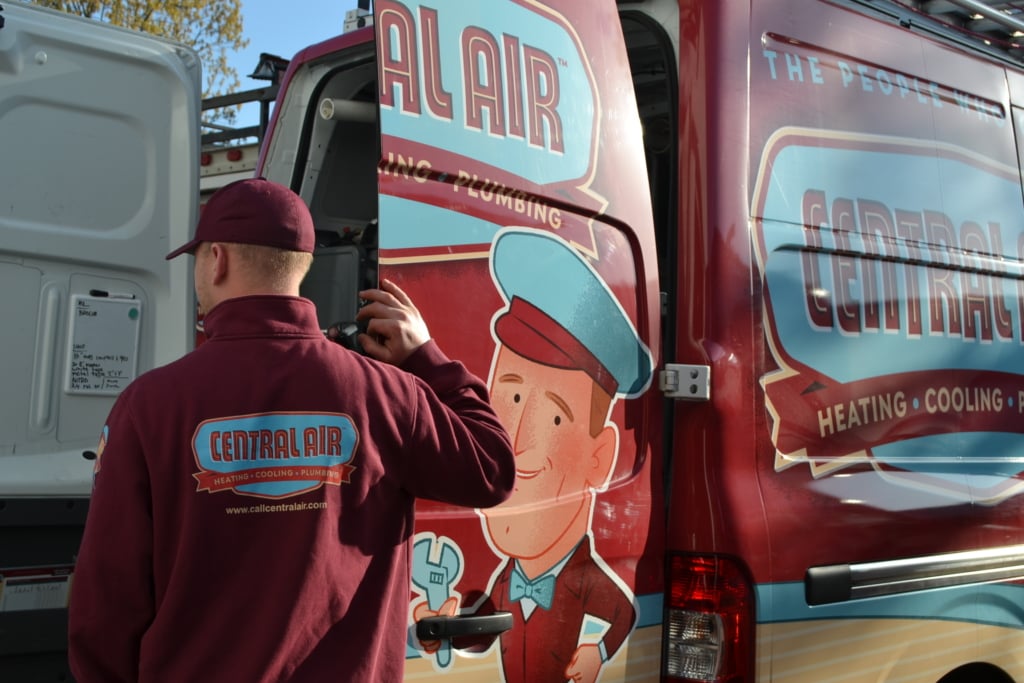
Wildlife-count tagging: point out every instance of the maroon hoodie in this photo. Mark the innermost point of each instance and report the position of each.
(252, 508)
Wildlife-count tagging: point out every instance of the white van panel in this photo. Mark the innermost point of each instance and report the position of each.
(99, 147)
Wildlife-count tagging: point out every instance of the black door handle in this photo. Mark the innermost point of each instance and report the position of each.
(441, 627)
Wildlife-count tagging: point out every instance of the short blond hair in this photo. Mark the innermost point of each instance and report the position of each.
(272, 267)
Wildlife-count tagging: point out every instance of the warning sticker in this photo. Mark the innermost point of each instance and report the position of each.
(35, 588)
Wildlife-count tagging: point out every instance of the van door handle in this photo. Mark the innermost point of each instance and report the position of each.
(441, 627)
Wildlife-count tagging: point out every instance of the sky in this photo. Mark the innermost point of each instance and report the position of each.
(282, 29)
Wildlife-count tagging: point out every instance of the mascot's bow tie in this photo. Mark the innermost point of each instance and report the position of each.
(541, 591)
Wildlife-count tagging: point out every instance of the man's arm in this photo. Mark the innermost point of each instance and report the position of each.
(469, 459)
(112, 590)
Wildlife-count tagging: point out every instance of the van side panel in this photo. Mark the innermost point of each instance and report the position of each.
(881, 186)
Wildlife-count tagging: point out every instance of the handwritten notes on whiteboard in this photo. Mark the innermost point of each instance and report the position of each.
(103, 344)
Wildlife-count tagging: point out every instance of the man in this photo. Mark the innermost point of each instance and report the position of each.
(253, 505)
(566, 350)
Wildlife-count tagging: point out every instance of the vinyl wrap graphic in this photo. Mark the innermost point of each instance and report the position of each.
(498, 186)
(509, 88)
(894, 310)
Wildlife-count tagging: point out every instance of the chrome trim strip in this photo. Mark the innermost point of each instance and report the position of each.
(837, 583)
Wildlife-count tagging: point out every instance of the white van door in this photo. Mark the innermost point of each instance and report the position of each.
(99, 146)
(99, 140)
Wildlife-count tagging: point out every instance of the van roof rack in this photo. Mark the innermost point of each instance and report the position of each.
(270, 68)
(995, 27)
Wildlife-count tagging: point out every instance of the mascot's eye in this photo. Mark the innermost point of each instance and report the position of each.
(516, 398)
(558, 420)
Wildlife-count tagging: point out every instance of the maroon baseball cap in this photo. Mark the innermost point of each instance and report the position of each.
(254, 211)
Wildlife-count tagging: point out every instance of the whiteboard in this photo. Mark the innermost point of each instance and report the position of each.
(103, 343)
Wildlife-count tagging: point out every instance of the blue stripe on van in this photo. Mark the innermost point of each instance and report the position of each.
(649, 609)
(992, 604)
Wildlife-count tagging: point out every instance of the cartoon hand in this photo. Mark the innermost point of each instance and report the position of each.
(585, 664)
(422, 610)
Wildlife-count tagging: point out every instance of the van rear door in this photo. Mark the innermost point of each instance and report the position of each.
(99, 139)
(488, 158)
(514, 208)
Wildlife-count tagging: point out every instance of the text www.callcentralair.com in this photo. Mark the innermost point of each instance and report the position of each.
(279, 507)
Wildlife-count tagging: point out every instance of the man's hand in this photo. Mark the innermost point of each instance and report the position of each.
(396, 328)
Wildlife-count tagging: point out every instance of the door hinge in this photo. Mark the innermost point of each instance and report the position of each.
(686, 382)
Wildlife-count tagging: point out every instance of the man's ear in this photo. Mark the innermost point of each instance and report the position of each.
(219, 261)
(602, 458)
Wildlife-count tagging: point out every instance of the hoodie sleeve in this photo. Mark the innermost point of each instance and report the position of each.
(459, 451)
(112, 601)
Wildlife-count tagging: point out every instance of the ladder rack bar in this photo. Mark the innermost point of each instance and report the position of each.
(990, 13)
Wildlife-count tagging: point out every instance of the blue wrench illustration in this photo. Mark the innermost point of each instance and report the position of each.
(435, 579)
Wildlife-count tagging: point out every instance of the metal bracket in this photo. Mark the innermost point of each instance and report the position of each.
(686, 382)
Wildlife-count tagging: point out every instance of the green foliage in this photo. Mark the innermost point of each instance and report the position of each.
(213, 28)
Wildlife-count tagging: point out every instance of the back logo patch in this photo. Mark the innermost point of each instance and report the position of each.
(274, 455)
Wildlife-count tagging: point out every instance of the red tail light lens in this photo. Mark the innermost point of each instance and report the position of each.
(709, 625)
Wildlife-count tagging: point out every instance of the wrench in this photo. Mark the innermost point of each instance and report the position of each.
(435, 579)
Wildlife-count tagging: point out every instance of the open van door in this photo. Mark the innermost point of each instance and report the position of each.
(514, 208)
(99, 138)
(488, 158)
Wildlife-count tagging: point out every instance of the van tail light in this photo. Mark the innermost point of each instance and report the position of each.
(709, 621)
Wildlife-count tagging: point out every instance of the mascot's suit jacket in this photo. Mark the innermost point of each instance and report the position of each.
(540, 648)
